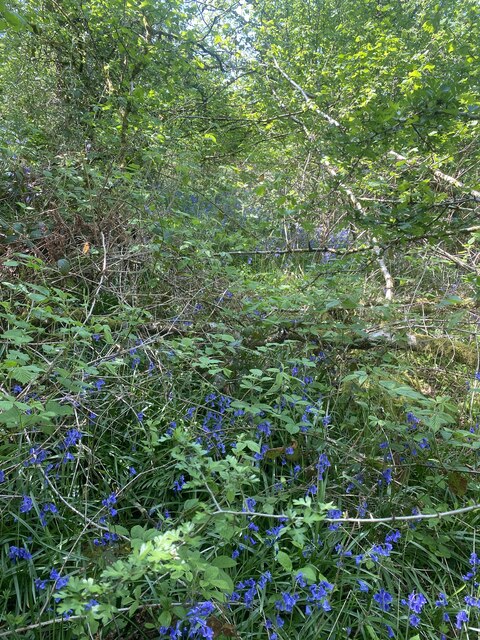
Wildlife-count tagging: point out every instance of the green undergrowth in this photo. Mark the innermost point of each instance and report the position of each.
(188, 476)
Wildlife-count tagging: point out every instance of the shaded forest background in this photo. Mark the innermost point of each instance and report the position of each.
(239, 253)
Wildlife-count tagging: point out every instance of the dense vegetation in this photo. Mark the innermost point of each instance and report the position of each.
(239, 253)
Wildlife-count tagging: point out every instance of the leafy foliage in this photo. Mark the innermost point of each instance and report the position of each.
(214, 421)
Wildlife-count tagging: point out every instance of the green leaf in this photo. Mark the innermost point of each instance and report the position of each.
(26, 374)
(13, 19)
(16, 336)
(284, 559)
(224, 562)
(309, 573)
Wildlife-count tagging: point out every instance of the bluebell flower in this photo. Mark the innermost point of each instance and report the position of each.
(250, 504)
(264, 428)
(334, 514)
(312, 490)
(390, 632)
(393, 536)
(110, 500)
(72, 437)
(380, 550)
(99, 384)
(274, 532)
(61, 582)
(412, 419)
(264, 579)
(387, 476)
(383, 599)
(37, 456)
(132, 471)
(322, 465)
(326, 420)
(250, 593)
(441, 601)
(2, 476)
(106, 539)
(414, 620)
(27, 504)
(179, 484)
(462, 616)
(96, 337)
(18, 553)
(416, 602)
(171, 428)
(362, 509)
(340, 550)
(472, 602)
(288, 601)
(300, 580)
(235, 553)
(40, 585)
(91, 603)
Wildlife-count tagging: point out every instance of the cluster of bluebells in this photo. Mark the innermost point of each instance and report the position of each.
(194, 627)
(415, 604)
(179, 483)
(18, 553)
(108, 502)
(106, 539)
(214, 422)
(56, 579)
(474, 566)
(314, 597)
(383, 599)
(49, 507)
(246, 590)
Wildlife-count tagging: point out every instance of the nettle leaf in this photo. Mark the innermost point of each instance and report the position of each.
(17, 336)
(57, 409)
(25, 374)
